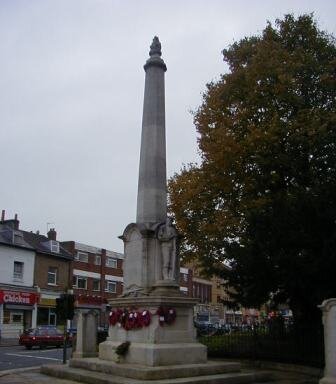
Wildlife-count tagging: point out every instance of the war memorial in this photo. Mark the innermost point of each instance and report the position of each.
(152, 338)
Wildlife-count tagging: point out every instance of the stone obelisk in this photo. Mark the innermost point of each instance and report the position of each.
(151, 262)
(152, 195)
(151, 244)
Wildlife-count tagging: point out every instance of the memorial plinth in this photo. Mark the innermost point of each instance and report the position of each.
(156, 344)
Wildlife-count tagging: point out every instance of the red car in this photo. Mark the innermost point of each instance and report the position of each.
(42, 337)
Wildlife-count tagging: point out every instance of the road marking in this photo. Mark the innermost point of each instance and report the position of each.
(34, 357)
(40, 351)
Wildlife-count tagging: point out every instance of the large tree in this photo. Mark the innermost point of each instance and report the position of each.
(263, 199)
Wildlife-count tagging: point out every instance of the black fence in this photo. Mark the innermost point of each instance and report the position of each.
(302, 345)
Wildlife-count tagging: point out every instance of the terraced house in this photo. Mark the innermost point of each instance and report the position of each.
(34, 270)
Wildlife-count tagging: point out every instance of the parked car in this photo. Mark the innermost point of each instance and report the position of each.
(42, 337)
(205, 328)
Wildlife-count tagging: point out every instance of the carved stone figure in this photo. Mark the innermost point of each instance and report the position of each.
(167, 236)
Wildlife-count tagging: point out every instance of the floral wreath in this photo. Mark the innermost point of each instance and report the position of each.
(166, 315)
(114, 317)
(130, 319)
(133, 319)
(145, 318)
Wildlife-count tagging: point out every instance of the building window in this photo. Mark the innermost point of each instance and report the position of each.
(110, 286)
(16, 317)
(185, 277)
(18, 270)
(52, 276)
(97, 260)
(46, 316)
(111, 262)
(52, 317)
(96, 285)
(82, 256)
(54, 246)
(80, 282)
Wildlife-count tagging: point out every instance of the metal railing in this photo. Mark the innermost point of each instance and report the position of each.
(302, 345)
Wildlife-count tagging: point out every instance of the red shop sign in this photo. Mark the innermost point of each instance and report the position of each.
(13, 297)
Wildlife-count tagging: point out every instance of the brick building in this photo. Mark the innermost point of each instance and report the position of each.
(97, 276)
(52, 272)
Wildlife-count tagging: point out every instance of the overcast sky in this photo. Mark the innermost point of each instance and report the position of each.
(71, 95)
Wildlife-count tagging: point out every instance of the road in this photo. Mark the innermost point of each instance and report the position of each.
(18, 357)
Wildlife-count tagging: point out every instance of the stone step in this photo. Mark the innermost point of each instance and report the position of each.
(92, 377)
(155, 373)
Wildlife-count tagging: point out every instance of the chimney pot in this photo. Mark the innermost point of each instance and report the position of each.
(52, 234)
(3, 215)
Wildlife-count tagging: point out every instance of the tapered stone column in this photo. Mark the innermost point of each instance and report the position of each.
(151, 244)
(152, 195)
(328, 308)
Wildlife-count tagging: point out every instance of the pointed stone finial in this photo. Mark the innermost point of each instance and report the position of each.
(155, 56)
(155, 48)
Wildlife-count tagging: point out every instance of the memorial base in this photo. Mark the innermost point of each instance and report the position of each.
(156, 354)
(96, 371)
(159, 343)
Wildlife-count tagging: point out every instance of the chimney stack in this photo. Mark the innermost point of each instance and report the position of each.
(16, 221)
(52, 234)
(12, 223)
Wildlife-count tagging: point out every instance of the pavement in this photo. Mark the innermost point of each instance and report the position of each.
(9, 342)
(29, 376)
(33, 376)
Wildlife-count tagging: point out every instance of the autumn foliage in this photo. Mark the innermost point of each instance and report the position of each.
(263, 198)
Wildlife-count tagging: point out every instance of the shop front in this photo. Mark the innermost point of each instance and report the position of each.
(46, 311)
(18, 310)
